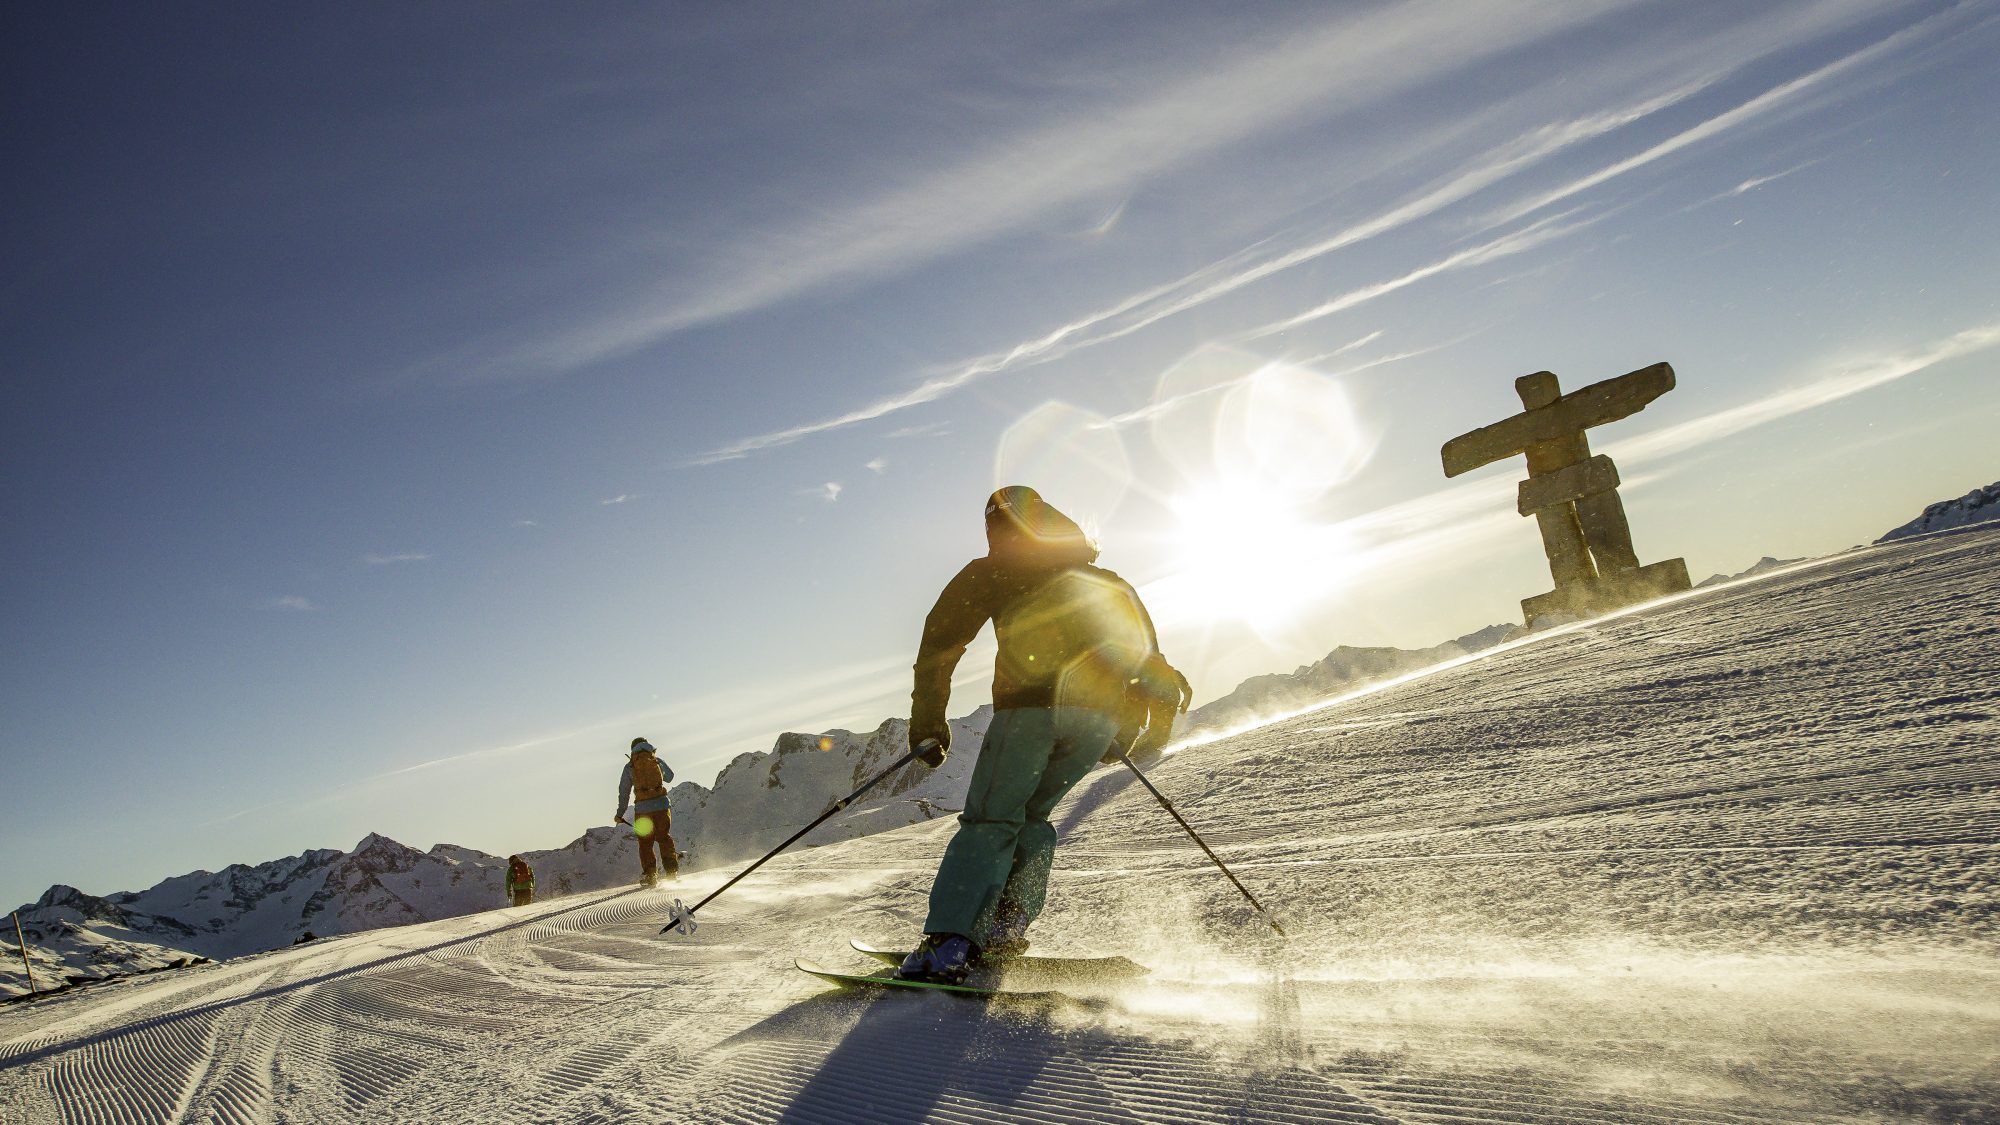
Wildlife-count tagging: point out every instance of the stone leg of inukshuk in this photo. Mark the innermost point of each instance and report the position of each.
(1562, 539)
(1607, 532)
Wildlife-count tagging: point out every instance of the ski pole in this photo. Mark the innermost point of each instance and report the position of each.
(1196, 836)
(25, 963)
(682, 918)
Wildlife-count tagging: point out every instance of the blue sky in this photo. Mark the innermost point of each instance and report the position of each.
(409, 405)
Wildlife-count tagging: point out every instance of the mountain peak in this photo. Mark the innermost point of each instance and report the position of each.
(376, 841)
(61, 894)
(1977, 506)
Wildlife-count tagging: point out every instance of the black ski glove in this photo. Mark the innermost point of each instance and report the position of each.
(1159, 730)
(939, 739)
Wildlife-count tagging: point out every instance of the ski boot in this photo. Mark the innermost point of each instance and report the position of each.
(940, 959)
(1009, 936)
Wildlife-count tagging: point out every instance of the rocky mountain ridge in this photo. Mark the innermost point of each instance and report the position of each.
(1344, 669)
(757, 800)
(1977, 506)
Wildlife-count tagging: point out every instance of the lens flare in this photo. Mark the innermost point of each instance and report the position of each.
(1187, 402)
(1070, 456)
(1259, 444)
(1288, 433)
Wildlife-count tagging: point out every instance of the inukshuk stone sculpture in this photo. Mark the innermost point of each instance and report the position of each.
(1572, 495)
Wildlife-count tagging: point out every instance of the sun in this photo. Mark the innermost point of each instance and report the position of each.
(1240, 554)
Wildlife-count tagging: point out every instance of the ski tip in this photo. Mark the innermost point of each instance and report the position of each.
(821, 972)
(842, 975)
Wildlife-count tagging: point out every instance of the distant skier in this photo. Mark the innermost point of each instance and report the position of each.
(1078, 667)
(646, 778)
(520, 881)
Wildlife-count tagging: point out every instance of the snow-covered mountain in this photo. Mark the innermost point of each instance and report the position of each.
(1760, 566)
(759, 799)
(1342, 670)
(1977, 506)
(245, 909)
(756, 802)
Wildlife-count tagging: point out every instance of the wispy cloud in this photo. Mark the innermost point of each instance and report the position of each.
(929, 391)
(1103, 226)
(1776, 98)
(829, 492)
(1507, 245)
(1385, 360)
(1759, 181)
(621, 498)
(292, 603)
(1162, 406)
(878, 466)
(386, 560)
(1235, 272)
(1493, 166)
(1251, 368)
(1353, 345)
(1849, 378)
(1755, 182)
(1352, 62)
(1133, 314)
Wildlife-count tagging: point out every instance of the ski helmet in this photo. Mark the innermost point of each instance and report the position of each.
(1018, 500)
(1019, 523)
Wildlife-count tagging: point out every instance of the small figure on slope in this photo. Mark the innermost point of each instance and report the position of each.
(646, 778)
(520, 881)
(1078, 667)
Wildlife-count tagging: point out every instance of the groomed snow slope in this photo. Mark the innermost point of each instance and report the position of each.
(1731, 858)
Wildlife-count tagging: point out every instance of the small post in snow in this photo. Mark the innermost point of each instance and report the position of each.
(25, 963)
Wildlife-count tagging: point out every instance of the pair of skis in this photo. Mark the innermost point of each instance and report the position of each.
(1013, 976)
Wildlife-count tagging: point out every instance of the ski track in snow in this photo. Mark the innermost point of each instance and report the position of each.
(1732, 858)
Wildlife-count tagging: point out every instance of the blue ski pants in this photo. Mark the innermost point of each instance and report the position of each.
(1005, 845)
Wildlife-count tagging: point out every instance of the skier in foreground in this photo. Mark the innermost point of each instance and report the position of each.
(646, 778)
(1078, 666)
